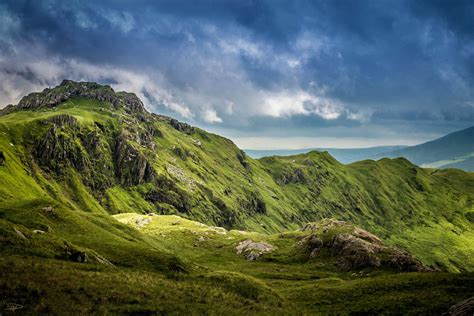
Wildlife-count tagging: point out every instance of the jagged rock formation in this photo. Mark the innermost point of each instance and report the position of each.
(131, 167)
(66, 144)
(69, 89)
(292, 175)
(182, 127)
(355, 248)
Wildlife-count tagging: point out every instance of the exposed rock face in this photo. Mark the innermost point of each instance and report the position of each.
(242, 157)
(2, 158)
(65, 144)
(182, 127)
(69, 89)
(253, 250)
(131, 167)
(254, 203)
(354, 252)
(292, 175)
(311, 244)
(355, 248)
(404, 261)
(167, 192)
(464, 308)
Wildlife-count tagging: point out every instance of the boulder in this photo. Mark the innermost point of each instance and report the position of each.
(354, 252)
(464, 308)
(253, 250)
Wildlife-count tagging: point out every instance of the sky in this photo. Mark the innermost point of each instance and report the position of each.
(267, 74)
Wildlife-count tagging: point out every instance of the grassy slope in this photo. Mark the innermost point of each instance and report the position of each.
(409, 206)
(220, 281)
(392, 198)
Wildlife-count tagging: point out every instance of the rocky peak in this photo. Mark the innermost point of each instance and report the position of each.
(67, 89)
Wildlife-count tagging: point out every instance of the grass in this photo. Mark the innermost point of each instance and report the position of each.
(179, 256)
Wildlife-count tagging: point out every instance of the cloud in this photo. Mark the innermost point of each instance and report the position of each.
(209, 115)
(33, 75)
(248, 65)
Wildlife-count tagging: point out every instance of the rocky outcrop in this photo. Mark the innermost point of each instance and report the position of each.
(464, 308)
(242, 158)
(182, 127)
(253, 250)
(292, 175)
(69, 89)
(354, 248)
(167, 192)
(58, 149)
(354, 253)
(65, 144)
(254, 203)
(131, 166)
(2, 158)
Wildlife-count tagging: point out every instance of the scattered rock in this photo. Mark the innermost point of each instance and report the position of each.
(464, 308)
(2, 158)
(38, 231)
(78, 256)
(74, 254)
(324, 224)
(141, 222)
(50, 212)
(19, 233)
(253, 250)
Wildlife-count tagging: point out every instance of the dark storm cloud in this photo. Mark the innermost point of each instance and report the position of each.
(255, 65)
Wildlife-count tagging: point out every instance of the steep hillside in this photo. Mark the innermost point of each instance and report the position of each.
(73, 155)
(454, 150)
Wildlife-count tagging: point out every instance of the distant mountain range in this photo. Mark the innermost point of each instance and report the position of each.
(455, 150)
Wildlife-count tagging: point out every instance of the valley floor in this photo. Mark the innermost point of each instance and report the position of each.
(216, 280)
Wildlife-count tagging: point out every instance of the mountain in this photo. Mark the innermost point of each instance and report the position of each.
(344, 155)
(134, 212)
(455, 150)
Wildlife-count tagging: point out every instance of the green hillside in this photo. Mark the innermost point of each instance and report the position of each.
(81, 165)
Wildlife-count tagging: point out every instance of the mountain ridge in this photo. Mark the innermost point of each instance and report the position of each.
(90, 187)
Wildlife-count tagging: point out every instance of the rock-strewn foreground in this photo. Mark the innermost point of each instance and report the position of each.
(92, 184)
